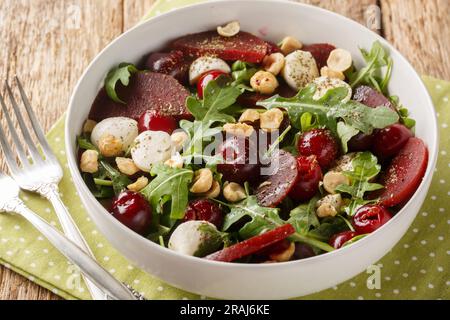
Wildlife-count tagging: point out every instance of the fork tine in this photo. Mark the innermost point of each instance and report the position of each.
(34, 153)
(16, 140)
(34, 122)
(9, 155)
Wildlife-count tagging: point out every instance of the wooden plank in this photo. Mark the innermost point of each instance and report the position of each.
(420, 29)
(133, 11)
(48, 44)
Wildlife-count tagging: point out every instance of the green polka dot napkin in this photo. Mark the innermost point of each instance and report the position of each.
(417, 268)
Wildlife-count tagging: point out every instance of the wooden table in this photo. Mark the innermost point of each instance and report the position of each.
(49, 43)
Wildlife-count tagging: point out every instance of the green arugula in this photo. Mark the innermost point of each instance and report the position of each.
(264, 219)
(304, 217)
(85, 144)
(120, 73)
(403, 113)
(241, 73)
(209, 114)
(345, 132)
(327, 228)
(170, 184)
(119, 181)
(329, 109)
(372, 74)
(365, 167)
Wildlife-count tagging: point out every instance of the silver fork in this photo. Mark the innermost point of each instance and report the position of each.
(41, 174)
(10, 202)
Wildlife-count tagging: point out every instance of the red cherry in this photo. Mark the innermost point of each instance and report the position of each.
(206, 210)
(321, 143)
(239, 165)
(389, 141)
(361, 142)
(337, 240)
(309, 176)
(152, 120)
(369, 218)
(205, 79)
(303, 251)
(173, 63)
(132, 210)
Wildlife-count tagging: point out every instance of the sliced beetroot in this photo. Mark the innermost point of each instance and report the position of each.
(404, 174)
(252, 245)
(146, 90)
(173, 63)
(243, 46)
(272, 48)
(278, 185)
(320, 52)
(371, 97)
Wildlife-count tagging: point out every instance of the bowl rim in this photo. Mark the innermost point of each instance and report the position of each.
(84, 191)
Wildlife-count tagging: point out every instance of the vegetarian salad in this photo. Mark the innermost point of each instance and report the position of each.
(230, 148)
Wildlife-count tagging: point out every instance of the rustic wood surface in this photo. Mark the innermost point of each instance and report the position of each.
(49, 43)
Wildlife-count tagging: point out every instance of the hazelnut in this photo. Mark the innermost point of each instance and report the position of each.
(179, 138)
(332, 179)
(249, 115)
(238, 129)
(109, 145)
(89, 161)
(126, 166)
(230, 29)
(213, 192)
(233, 192)
(203, 180)
(271, 119)
(89, 126)
(285, 255)
(264, 82)
(138, 185)
(327, 72)
(273, 63)
(339, 60)
(290, 44)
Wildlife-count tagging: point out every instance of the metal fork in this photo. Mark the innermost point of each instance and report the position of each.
(10, 202)
(41, 174)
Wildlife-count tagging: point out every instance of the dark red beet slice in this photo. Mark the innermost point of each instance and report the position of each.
(243, 46)
(272, 48)
(271, 192)
(252, 245)
(404, 173)
(371, 97)
(320, 52)
(146, 90)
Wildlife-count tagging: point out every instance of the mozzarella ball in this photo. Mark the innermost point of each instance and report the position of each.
(122, 128)
(299, 69)
(205, 64)
(151, 147)
(323, 84)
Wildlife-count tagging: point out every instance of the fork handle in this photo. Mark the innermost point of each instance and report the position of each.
(88, 266)
(73, 233)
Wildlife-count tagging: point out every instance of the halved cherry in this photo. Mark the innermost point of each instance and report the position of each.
(404, 173)
(321, 143)
(337, 240)
(369, 218)
(132, 210)
(206, 210)
(387, 142)
(309, 176)
(154, 121)
(205, 79)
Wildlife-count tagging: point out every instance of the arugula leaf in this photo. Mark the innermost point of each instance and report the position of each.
(330, 108)
(120, 73)
(328, 228)
(119, 181)
(308, 121)
(372, 74)
(170, 184)
(264, 219)
(304, 217)
(365, 167)
(354, 239)
(209, 113)
(345, 133)
(242, 73)
(403, 113)
(84, 143)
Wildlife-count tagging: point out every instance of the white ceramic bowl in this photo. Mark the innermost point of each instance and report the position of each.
(272, 20)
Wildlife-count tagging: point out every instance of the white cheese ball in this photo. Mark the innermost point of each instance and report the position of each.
(299, 69)
(323, 84)
(151, 147)
(122, 128)
(195, 238)
(205, 64)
